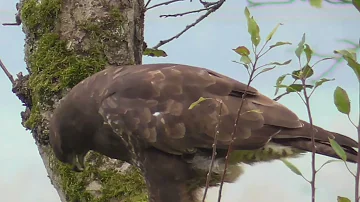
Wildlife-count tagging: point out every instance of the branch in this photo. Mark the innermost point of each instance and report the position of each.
(211, 9)
(17, 17)
(208, 4)
(280, 96)
(7, 73)
(160, 4)
(184, 13)
(147, 3)
(11, 24)
(208, 176)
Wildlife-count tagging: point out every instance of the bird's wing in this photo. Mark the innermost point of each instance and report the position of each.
(150, 103)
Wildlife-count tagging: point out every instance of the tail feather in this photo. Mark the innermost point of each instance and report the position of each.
(322, 148)
(301, 139)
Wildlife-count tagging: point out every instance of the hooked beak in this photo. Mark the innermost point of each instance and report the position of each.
(78, 163)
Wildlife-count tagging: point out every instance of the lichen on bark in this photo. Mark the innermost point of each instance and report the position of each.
(67, 41)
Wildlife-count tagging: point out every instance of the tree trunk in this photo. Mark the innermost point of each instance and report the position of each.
(67, 41)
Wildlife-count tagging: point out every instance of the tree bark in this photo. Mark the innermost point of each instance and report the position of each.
(67, 41)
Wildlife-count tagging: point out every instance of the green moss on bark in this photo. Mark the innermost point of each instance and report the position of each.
(39, 18)
(126, 186)
(56, 66)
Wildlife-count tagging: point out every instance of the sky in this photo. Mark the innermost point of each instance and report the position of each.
(23, 177)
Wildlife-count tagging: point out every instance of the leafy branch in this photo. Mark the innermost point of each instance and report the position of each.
(302, 88)
(342, 103)
(213, 155)
(341, 100)
(251, 66)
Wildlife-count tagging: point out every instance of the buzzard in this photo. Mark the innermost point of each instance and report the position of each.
(140, 114)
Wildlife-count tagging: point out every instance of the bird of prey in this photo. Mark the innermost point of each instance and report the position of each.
(140, 114)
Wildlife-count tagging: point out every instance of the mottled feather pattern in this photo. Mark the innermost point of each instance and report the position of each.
(140, 114)
(173, 94)
(169, 90)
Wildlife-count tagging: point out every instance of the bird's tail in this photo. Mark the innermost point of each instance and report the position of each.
(301, 139)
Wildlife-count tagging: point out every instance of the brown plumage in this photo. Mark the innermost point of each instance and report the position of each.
(140, 114)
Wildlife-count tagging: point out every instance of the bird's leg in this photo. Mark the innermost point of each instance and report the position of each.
(167, 177)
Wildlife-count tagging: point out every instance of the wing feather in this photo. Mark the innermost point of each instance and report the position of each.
(151, 102)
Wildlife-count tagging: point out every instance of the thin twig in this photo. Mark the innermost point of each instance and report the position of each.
(147, 3)
(317, 62)
(208, 176)
(214, 8)
(184, 13)
(260, 55)
(313, 150)
(347, 167)
(305, 179)
(326, 163)
(357, 184)
(352, 121)
(280, 96)
(161, 4)
(7, 73)
(207, 4)
(11, 24)
(231, 142)
(286, 93)
(17, 17)
(235, 127)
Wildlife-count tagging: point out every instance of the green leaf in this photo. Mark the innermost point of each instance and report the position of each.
(280, 64)
(294, 87)
(321, 81)
(341, 100)
(266, 69)
(253, 28)
(292, 167)
(296, 74)
(351, 59)
(316, 3)
(280, 43)
(305, 72)
(279, 81)
(300, 47)
(308, 53)
(194, 104)
(338, 149)
(246, 66)
(269, 37)
(243, 64)
(342, 199)
(345, 53)
(242, 50)
(154, 52)
(245, 59)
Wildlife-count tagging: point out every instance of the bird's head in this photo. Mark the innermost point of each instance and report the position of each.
(70, 135)
(64, 148)
(65, 152)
